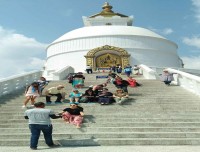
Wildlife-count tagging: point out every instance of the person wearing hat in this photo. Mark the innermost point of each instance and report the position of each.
(55, 91)
(75, 95)
(120, 96)
(74, 114)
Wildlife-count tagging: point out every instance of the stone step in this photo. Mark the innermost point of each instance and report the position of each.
(107, 124)
(109, 135)
(108, 141)
(90, 119)
(155, 115)
(124, 124)
(141, 115)
(72, 129)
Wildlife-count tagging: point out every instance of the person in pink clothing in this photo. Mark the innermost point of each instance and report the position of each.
(74, 114)
(31, 93)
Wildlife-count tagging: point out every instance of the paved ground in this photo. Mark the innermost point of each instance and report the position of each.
(108, 149)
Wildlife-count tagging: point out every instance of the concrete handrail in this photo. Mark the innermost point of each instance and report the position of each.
(147, 72)
(13, 83)
(188, 81)
(184, 74)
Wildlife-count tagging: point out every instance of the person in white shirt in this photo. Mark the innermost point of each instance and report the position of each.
(39, 120)
(88, 69)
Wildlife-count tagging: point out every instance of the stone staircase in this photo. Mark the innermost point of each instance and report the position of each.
(155, 115)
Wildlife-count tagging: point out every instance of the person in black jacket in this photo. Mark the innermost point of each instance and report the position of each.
(111, 77)
(120, 83)
(105, 97)
(89, 96)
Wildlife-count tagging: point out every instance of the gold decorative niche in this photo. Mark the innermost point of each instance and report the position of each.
(106, 56)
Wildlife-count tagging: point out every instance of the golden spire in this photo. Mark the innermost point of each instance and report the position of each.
(107, 7)
(107, 11)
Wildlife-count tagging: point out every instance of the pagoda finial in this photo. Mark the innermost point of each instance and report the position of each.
(107, 7)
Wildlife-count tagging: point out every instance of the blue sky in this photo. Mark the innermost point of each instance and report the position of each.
(28, 26)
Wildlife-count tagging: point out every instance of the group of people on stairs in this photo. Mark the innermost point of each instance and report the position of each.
(39, 117)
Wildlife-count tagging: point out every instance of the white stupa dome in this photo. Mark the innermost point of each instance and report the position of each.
(93, 31)
(109, 38)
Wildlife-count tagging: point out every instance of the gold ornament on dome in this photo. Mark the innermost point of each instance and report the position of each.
(116, 56)
(107, 47)
(108, 60)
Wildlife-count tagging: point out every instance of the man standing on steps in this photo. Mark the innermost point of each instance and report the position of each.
(88, 69)
(39, 120)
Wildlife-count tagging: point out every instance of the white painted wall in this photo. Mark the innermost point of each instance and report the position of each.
(144, 50)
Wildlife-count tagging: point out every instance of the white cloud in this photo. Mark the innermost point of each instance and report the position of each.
(165, 31)
(196, 4)
(194, 41)
(192, 62)
(19, 53)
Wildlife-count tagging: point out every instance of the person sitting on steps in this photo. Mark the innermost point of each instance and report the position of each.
(105, 97)
(132, 82)
(75, 95)
(98, 88)
(88, 96)
(74, 114)
(120, 96)
(55, 91)
(167, 77)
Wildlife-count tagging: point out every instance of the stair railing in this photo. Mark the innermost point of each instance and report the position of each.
(147, 72)
(13, 83)
(187, 81)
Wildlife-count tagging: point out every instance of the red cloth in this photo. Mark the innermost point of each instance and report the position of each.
(132, 82)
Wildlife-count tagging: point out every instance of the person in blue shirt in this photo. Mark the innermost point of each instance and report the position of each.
(128, 70)
(75, 95)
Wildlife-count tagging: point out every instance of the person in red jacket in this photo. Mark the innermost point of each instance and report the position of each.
(132, 82)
